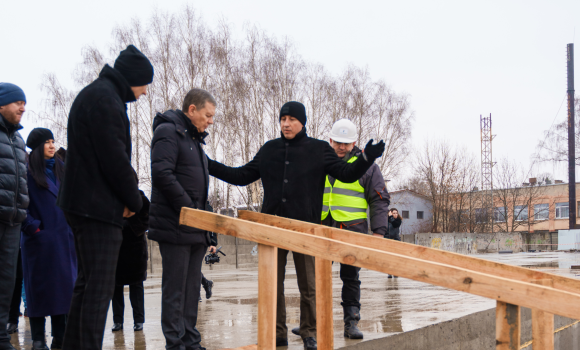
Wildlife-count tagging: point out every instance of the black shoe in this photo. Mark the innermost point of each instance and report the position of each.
(56, 344)
(208, 286)
(396, 276)
(5, 345)
(39, 345)
(389, 276)
(281, 342)
(12, 328)
(351, 318)
(200, 300)
(138, 327)
(310, 343)
(117, 327)
(296, 331)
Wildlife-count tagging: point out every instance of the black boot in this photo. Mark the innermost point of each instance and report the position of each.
(351, 318)
(56, 344)
(117, 327)
(208, 286)
(11, 328)
(296, 331)
(39, 345)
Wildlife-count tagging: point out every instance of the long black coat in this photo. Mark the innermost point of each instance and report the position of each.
(132, 263)
(99, 181)
(13, 189)
(180, 178)
(293, 174)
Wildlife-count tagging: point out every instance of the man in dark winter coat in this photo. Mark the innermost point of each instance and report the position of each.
(349, 206)
(13, 196)
(293, 169)
(180, 179)
(100, 189)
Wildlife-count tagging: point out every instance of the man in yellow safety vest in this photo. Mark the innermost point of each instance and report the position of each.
(349, 206)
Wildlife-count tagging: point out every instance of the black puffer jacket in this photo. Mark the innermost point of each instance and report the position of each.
(180, 178)
(13, 189)
(99, 181)
(293, 174)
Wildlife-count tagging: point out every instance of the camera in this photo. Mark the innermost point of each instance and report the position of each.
(214, 257)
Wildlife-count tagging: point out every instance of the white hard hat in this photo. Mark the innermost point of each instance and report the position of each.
(343, 131)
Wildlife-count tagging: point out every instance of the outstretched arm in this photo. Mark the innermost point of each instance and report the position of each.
(240, 176)
(350, 172)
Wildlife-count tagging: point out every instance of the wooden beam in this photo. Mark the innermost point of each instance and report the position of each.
(461, 279)
(542, 325)
(412, 250)
(247, 347)
(267, 277)
(324, 320)
(507, 326)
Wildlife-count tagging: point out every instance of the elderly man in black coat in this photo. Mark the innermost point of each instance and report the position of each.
(99, 189)
(13, 196)
(293, 169)
(180, 179)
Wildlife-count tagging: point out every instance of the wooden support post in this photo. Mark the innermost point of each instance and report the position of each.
(267, 277)
(324, 320)
(542, 325)
(507, 326)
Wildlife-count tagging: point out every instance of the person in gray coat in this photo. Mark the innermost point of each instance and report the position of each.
(13, 196)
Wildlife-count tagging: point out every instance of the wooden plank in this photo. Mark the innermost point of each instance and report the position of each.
(267, 285)
(324, 319)
(542, 325)
(247, 347)
(507, 290)
(436, 255)
(507, 326)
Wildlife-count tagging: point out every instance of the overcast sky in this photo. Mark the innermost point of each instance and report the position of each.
(456, 59)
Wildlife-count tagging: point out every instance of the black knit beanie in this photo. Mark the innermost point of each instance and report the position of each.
(294, 109)
(134, 66)
(37, 137)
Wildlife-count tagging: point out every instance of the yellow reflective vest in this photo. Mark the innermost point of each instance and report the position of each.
(345, 202)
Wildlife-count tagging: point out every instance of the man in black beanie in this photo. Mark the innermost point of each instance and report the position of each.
(99, 189)
(293, 170)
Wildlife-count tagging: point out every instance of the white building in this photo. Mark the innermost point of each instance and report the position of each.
(416, 210)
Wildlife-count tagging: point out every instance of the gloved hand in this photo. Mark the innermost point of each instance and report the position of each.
(374, 151)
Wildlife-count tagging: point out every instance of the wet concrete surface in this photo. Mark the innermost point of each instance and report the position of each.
(389, 306)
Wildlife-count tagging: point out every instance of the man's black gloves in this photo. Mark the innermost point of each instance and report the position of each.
(374, 151)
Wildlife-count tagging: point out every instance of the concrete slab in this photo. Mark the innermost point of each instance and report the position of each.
(389, 306)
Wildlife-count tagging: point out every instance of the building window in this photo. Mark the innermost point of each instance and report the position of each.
(521, 212)
(420, 215)
(562, 210)
(499, 214)
(541, 211)
(405, 214)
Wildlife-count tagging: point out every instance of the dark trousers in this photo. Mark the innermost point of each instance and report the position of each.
(9, 246)
(350, 285)
(14, 313)
(306, 285)
(137, 297)
(37, 327)
(180, 286)
(97, 246)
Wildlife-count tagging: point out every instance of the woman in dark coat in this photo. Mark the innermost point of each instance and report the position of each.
(395, 221)
(132, 268)
(49, 261)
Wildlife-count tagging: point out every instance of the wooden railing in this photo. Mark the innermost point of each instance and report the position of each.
(512, 286)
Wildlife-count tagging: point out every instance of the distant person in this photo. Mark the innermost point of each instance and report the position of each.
(345, 206)
(293, 170)
(179, 173)
(49, 259)
(132, 269)
(99, 189)
(13, 196)
(395, 221)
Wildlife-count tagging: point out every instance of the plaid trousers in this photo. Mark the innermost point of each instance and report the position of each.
(97, 246)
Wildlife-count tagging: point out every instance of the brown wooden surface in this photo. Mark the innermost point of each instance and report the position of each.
(507, 290)
(507, 326)
(435, 255)
(247, 347)
(324, 319)
(267, 277)
(542, 325)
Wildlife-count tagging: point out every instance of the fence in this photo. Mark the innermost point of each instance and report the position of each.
(512, 286)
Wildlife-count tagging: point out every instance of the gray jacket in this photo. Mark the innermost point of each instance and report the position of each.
(377, 197)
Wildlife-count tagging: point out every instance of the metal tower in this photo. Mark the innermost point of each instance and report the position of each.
(487, 206)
